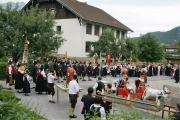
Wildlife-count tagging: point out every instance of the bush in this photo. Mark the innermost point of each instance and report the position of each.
(3, 71)
(10, 109)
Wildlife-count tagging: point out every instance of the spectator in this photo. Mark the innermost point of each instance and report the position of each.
(177, 114)
(98, 86)
(96, 110)
(88, 100)
(73, 95)
(108, 105)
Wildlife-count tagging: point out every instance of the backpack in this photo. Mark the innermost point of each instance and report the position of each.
(95, 111)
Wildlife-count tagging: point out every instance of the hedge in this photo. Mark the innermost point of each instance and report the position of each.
(2, 71)
(12, 109)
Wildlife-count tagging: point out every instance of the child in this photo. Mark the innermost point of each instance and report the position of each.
(26, 83)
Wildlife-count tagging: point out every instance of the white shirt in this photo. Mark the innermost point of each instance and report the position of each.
(96, 85)
(142, 80)
(73, 87)
(43, 73)
(50, 78)
(102, 111)
(10, 69)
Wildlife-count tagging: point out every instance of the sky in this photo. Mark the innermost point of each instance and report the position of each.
(141, 16)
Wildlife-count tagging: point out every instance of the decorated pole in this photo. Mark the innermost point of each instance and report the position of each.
(25, 53)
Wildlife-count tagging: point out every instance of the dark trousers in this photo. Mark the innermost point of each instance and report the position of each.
(51, 90)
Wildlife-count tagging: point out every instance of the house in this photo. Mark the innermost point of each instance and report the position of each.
(171, 52)
(81, 24)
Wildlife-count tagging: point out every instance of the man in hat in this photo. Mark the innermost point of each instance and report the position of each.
(64, 68)
(9, 74)
(90, 71)
(84, 67)
(34, 72)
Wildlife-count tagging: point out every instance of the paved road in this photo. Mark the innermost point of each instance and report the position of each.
(60, 111)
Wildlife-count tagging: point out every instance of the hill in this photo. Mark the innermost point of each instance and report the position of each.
(20, 4)
(168, 36)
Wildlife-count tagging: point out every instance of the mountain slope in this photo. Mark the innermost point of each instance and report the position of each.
(168, 36)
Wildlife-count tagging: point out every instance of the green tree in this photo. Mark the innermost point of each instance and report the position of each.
(30, 24)
(132, 49)
(107, 43)
(150, 50)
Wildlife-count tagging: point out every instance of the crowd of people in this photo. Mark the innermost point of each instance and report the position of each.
(44, 75)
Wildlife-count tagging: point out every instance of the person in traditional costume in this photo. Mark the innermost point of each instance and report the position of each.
(140, 85)
(90, 71)
(26, 83)
(19, 81)
(41, 80)
(50, 85)
(84, 71)
(34, 72)
(48, 65)
(104, 70)
(70, 73)
(14, 72)
(80, 69)
(64, 68)
(122, 84)
(59, 72)
(9, 75)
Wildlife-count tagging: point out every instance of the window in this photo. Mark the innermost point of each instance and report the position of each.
(58, 28)
(117, 34)
(122, 35)
(96, 31)
(89, 28)
(103, 28)
(52, 10)
(88, 47)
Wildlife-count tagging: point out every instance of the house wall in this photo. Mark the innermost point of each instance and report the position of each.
(75, 34)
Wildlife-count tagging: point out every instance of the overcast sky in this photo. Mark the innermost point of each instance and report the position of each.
(141, 16)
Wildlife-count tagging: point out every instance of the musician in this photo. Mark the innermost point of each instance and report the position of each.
(9, 74)
(26, 83)
(48, 65)
(34, 72)
(84, 71)
(70, 73)
(90, 71)
(104, 69)
(59, 72)
(64, 68)
(50, 85)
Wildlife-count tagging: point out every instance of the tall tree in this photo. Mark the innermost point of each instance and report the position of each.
(107, 43)
(32, 25)
(132, 49)
(150, 50)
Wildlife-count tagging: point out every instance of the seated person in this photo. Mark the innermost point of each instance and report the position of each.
(140, 85)
(176, 115)
(122, 85)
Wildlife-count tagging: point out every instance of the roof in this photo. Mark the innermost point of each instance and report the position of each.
(90, 13)
(173, 45)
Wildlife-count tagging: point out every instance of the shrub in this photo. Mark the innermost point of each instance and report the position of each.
(10, 109)
(3, 71)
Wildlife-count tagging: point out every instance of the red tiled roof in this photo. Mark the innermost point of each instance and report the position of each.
(91, 13)
(173, 45)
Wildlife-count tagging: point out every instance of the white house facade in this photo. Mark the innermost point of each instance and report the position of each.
(80, 24)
